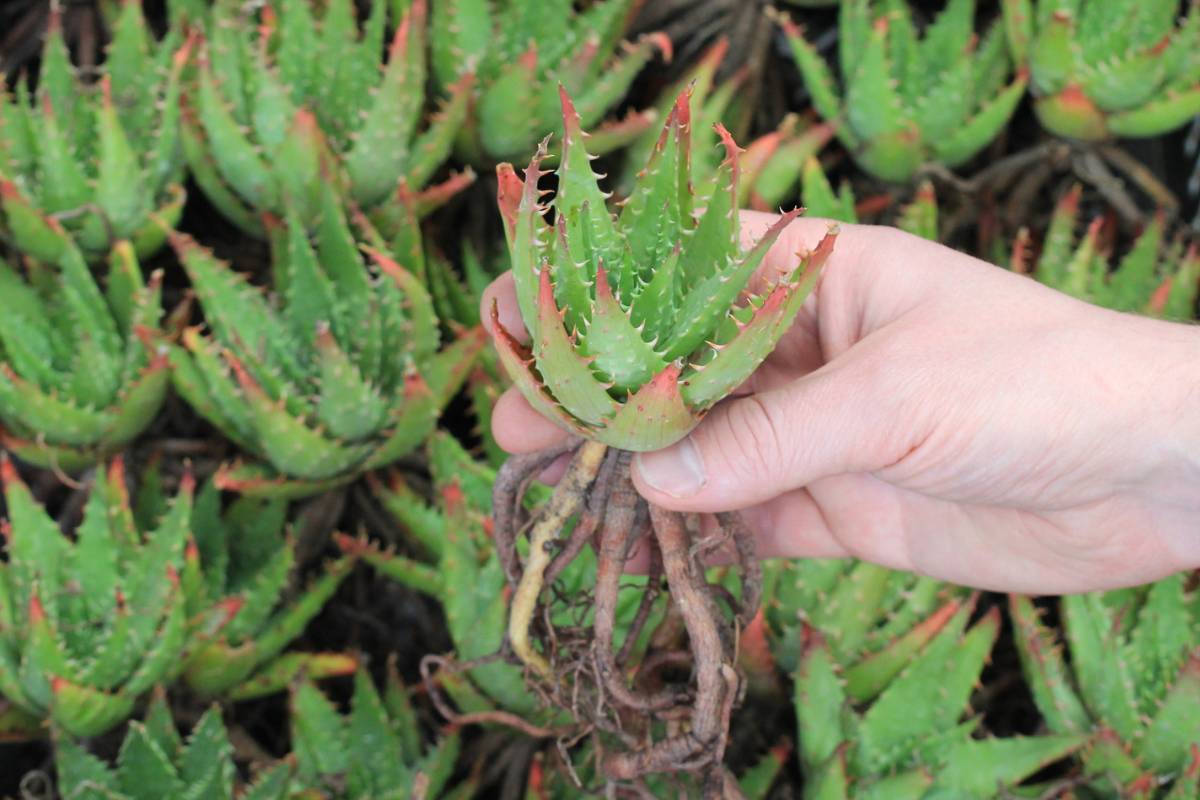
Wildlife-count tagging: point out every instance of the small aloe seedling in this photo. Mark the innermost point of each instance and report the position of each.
(154, 762)
(88, 625)
(239, 562)
(282, 106)
(375, 751)
(1106, 68)
(82, 372)
(103, 160)
(343, 374)
(1154, 277)
(519, 53)
(639, 323)
(905, 737)
(910, 100)
(1132, 683)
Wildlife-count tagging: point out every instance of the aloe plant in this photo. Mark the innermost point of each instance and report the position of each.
(1132, 684)
(241, 560)
(154, 762)
(342, 374)
(909, 100)
(283, 106)
(375, 751)
(82, 372)
(904, 737)
(639, 323)
(94, 162)
(1153, 277)
(1106, 68)
(518, 52)
(88, 625)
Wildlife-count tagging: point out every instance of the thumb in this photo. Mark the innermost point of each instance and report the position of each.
(754, 448)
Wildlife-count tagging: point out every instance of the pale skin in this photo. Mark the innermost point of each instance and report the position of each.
(934, 413)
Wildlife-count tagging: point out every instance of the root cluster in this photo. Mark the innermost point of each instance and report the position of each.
(660, 699)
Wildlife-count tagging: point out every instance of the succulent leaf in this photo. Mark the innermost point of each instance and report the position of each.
(244, 562)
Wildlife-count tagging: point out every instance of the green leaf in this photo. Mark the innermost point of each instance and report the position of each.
(820, 701)
(318, 734)
(927, 697)
(81, 776)
(1101, 671)
(120, 190)
(234, 155)
(144, 771)
(1167, 746)
(817, 77)
(380, 154)
(980, 768)
(206, 766)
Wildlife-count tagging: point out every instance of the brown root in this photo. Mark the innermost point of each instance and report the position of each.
(659, 702)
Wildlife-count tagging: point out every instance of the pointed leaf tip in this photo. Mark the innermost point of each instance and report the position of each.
(244, 379)
(8, 472)
(528, 60)
(732, 150)
(453, 497)
(187, 484)
(508, 194)
(571, 122)
(663, 43)
(116, 470)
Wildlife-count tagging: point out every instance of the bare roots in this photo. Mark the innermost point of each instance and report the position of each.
(662, 699)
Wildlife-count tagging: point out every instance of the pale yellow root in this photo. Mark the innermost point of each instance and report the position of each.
(567, 499)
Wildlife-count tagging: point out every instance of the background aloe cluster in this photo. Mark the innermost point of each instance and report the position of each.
(245, 391)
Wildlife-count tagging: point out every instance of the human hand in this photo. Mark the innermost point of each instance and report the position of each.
(934, 413)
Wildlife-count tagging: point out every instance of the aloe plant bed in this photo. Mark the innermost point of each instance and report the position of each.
(460, 627)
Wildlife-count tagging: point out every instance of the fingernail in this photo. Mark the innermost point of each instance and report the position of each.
(677, 470)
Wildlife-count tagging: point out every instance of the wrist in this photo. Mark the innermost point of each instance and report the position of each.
(1173, 373)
